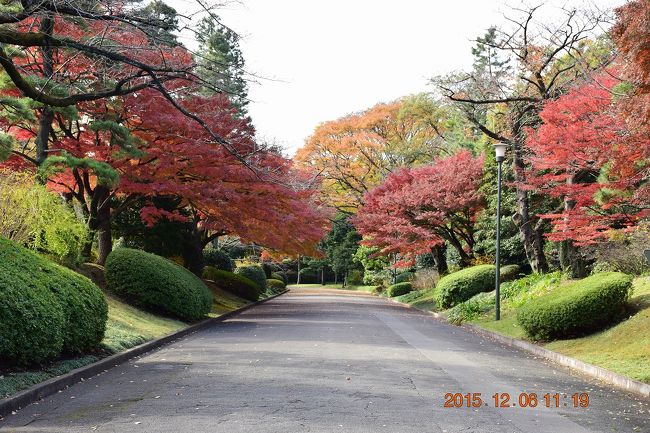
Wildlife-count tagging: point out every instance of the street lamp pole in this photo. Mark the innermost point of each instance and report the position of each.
(500, 151)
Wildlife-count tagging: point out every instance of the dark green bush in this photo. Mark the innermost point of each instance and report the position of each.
(254, 273)
(45, 308)
(355, 277)
(218, 259)
(268, 269)
(399, 289)
(509, 273)
(276, 284)
(404, 277)
(462, 285)
(85, 309)
(578, 308)
(236, 284)
(152, 282)
(279, 276)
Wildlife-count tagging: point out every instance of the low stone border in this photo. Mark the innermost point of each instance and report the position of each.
(56, 384)
(609, 377)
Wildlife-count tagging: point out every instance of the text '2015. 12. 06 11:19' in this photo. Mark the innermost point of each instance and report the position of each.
(523, 399)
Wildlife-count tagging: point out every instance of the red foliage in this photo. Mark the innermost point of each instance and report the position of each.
(415, 209)
(585, 155)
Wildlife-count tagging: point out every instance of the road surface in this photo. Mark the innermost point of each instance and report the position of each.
(325, 361)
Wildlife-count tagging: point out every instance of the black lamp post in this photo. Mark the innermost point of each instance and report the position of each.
(500, 151)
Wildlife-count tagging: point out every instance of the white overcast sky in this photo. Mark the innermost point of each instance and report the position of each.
(319, 60)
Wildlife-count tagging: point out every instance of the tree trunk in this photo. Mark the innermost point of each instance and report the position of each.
(322, 276)
(298, 278)
(440, 259)
(193, 250)
(531, 236)
(571, 260)
(47, 115)
(465, 259)
(100, 222)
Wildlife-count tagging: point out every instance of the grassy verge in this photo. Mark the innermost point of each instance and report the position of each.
(623, 348)
(127, 327)
(421, 299)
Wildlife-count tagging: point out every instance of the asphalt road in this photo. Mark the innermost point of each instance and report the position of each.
(323, 362)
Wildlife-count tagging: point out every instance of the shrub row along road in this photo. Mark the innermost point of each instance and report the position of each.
(321, 361)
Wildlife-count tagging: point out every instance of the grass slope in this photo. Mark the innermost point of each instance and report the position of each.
(623, 348)
(129, 326)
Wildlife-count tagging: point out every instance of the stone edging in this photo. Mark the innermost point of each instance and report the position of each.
(56, 384)
(609, 377)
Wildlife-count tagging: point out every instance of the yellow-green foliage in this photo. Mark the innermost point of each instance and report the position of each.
(39, 219)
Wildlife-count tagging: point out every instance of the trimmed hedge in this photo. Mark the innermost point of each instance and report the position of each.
(279, 276)
(254, 273)
(509, 273)
(45, 309)
(236, 284)
(462, 285)
(218, 259)
(399, 289)
(404, 277)
(275, 284)
(578, 308)
(154, 283)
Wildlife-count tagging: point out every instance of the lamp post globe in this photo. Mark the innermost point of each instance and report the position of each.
(500, 153)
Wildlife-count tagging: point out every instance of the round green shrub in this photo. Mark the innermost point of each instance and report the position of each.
(85, 309)
(275, 284)
(462, 285)
(578, 308)
(355, 277)
(154, 283)
(404, 277)
(279, 276)
(236, 284)
(399, 289)
(45, 309)
(218, 259)
(254, 273)
(509, 273)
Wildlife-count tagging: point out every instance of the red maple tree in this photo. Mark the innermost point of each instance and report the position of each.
(416, 209)
(585, 155)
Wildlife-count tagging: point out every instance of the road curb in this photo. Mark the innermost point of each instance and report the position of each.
(617, 380)
(609, 377)
(56, 384)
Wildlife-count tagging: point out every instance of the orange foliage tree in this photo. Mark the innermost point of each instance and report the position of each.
(353, 154)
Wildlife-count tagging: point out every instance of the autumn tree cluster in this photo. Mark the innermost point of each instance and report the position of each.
(103, 104)
(570, 97)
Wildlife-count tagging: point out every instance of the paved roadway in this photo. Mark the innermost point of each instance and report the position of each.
(326, 362)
